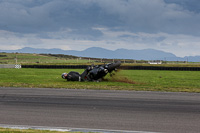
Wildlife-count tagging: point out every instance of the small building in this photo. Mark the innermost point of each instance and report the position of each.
(155, 62)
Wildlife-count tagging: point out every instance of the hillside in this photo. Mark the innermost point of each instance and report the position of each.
(97, 52)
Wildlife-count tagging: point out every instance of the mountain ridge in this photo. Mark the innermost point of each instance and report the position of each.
(97, 52)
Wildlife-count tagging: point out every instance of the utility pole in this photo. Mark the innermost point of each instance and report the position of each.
(16, 59)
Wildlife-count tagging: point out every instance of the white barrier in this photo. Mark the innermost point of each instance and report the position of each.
(17, 66)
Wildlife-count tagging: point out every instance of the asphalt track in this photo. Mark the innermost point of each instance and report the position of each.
(101, 109)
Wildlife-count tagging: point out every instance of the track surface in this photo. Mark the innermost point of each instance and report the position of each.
(100, 109)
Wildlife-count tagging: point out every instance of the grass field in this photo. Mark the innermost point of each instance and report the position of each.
(49, 59)
(6, 130)
(22, 58)
(143, 80)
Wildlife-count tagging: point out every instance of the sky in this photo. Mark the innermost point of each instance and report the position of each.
(168, 25)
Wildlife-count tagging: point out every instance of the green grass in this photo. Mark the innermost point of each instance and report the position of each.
(7, 130)
(47, 59)
(22, 58)
(143, 80)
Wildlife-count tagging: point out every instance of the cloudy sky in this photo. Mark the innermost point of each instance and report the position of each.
(168, 25)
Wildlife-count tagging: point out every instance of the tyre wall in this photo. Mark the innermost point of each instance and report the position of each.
(121, 67)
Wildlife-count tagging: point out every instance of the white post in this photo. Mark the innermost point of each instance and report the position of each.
(16, 59)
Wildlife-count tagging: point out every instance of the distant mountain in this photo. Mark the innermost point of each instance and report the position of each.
(39, 51)
(145, 54)
(97, 52)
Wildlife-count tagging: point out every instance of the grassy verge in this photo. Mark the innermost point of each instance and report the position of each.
(144, 80)
(56, 59)
(7, 130)
(10, 58)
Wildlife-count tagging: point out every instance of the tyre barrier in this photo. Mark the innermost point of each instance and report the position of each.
(121, 67)
(56, 66)
(160, 68)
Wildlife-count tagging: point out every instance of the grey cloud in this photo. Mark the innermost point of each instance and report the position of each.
(39, 16)
(191, 5)
(154, 16)
(52, 15)
(160, 39)
(88, 33)
(127, 36)
(18, 18)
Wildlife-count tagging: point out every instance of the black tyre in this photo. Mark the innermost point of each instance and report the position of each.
(113, 66)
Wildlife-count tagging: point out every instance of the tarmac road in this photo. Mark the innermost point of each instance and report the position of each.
(101, 109)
